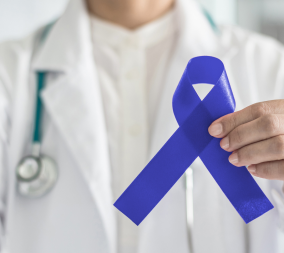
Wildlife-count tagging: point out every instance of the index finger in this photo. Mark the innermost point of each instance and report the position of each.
(224, 125)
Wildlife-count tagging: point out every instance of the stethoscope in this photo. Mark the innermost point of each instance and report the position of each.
(36, 173)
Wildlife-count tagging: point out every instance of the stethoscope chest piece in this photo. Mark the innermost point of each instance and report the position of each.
(36, 176)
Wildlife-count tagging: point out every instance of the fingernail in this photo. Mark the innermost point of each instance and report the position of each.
(234, 158)
(252, 168)
(225, 143)
(215, 129)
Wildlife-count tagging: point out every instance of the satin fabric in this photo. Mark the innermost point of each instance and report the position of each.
(192, 140)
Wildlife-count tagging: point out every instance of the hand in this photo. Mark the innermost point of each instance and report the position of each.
(255, 135)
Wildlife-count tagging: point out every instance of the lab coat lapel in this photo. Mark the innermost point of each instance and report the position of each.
(73, 101)
(196, 37)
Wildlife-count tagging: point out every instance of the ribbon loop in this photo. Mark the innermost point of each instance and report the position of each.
(191, 140)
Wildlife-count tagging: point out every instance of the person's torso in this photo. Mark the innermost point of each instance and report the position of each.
(77, 215)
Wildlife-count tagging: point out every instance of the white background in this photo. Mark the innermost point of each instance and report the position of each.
(20, 17)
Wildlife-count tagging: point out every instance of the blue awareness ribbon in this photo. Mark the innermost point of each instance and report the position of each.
(191, 140)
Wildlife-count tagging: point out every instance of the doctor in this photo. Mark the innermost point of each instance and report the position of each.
(111, 68)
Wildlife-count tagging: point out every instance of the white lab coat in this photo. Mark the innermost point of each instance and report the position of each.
(77, 215)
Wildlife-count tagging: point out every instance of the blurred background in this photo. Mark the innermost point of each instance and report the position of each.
(20, 17)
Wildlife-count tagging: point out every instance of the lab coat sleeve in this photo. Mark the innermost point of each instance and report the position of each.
(269, 63)
(269, 70)
(257, 74)
(277, 191)
(278, 194)
(5, 98)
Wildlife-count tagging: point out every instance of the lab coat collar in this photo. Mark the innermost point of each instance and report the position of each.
(73, 101)
(68, 43)
(196, 33)
(197, 36)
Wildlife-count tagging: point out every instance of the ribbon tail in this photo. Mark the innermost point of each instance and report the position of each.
(236, 183)
(157, 178)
